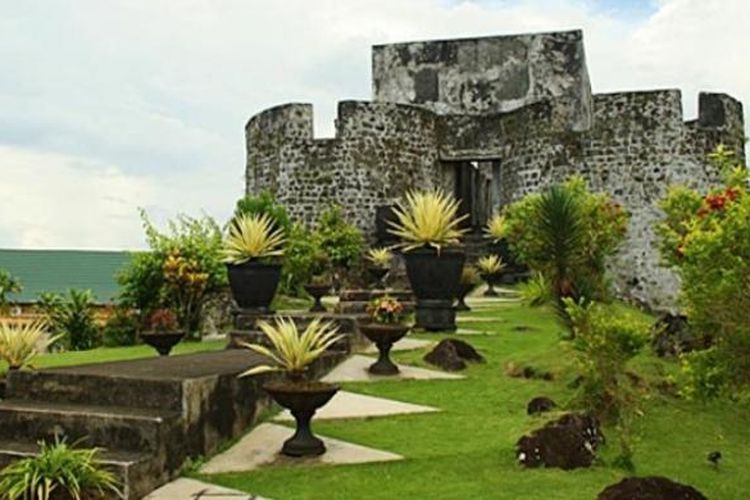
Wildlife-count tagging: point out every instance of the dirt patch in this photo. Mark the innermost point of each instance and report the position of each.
(649, 488)
(569, 442)
(520, 371)
(540, 404)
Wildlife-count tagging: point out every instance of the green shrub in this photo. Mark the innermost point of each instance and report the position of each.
(706, 240)
(58, 471)
(183, 271)
(566, 233)
(342, 241)
(71, 316)
(8, 284)
(304, 258)
(121, 328)
(265, 203)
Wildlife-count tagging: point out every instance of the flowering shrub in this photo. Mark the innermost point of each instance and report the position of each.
(162, 320)
(706, 239)
(385, 309)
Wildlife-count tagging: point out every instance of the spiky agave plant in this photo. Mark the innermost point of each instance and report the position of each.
(252, 236)
(59, 470)
(490, 264)
(380, 257)
(21, 342)
(292, 352)
(470, 276)
(495, 228)
(427, 218)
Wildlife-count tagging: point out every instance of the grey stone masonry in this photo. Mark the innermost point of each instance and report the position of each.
(492, 119)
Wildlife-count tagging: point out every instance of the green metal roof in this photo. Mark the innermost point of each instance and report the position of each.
(59, 270)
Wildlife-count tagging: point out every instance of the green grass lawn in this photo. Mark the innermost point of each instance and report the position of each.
(104, 354)
(468, 449)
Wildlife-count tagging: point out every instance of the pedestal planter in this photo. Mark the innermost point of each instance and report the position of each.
(376, 275)
(491, 280)
(302, 399)
(463, 291)
(317, 292)
(254, 285)
(435, 281)
(384, 335)
(163, 342)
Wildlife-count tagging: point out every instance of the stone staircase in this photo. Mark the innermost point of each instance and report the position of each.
(149, 415)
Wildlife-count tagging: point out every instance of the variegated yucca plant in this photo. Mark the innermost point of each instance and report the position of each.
(496, 228)
(20, 343)
(427, 218)
(379, 257)
(291, 351)
(250, 237)
(490, 264)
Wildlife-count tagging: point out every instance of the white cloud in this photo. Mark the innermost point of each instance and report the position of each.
(145, 100)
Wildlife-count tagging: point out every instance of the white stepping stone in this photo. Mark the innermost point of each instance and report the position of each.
(405, 344)
(469, 331)
(187, 489)
(351, 405)
(262, 445)
(354, 369)
(479, 319)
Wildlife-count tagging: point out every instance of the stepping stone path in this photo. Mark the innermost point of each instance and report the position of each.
(354, 369)
(405, 344)
(187, 489)
(261, 448)
(351, 405)
(469, 331)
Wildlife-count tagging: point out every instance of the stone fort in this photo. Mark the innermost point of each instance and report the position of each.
(491, 119)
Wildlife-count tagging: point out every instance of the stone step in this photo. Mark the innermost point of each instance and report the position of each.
(113, 427)
(138, 473)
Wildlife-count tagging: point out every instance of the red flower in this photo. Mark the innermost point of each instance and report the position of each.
(732, 193)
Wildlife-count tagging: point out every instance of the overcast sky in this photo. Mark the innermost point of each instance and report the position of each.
(109, 105)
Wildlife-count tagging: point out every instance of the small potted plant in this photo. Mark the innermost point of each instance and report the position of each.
(496, 231)
(20, 343)
(490, 268)
(384, 328)
(251, 253)
(320, 283)
(292, 353)
(163, 331)
(469, 280)
(428, 225)
(379, 260)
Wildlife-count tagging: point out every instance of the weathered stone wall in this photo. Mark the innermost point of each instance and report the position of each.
(486, 75)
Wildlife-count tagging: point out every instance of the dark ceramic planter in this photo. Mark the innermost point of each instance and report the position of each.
(302, 399)
(384, 335)
(463, 291)
(491, 280)
(163, 342)
(254, 284)
(317, 292)
(434, 279)
(376, 275)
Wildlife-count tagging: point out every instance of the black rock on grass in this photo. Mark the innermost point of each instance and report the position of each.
(452, 355)
(569, 442)
(649, 488)
(540, 404)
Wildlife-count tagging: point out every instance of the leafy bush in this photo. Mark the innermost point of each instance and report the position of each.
(72, 317)
(304, 258)
(341, 240)
(121, 328)
(8, 284)
(183, 271)
(58, 471)
(566, 233)
(706, 239)
(20, 343)
(265, 204)
(536, 291)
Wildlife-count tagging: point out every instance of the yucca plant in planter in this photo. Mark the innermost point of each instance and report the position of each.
(163, 331)
(379, 263)
(470, 279)
(428, 225)
(251, 252)
(384, 328)
(496, 231)
(292, 352)
(490, 268)
(20, 343)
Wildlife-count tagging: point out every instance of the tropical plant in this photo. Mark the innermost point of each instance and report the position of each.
(566, 233)
(265, 203)
(470, 276)
(252, 237)
(292, 352)
(59, 471)
(121, 328)
(21, 342)
(496, 228)
(163, 321)
(8, 284)
(385, 309)
(536, 291)
(427, 218)
(341, 240)
(490, 265)
(705, 238)
(72, 317)
(379, 257)
(303, 258)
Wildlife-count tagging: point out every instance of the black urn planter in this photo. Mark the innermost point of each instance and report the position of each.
(463, 291)
(491, 280)
(302, 399)
(384, 335)
(254, 284)
(376, 275)
(163, 342)
(435, 282)
(317, 292)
